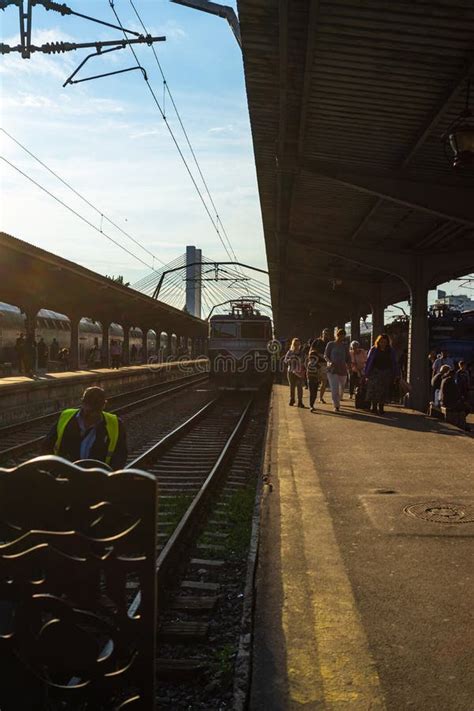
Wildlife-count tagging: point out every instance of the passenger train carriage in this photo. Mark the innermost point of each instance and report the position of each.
(50, 324)
(240, 350)
(448, 329)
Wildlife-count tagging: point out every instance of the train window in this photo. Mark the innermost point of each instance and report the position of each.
(224, 330)
(253, 330)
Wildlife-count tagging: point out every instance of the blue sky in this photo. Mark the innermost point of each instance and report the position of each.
(107, 139)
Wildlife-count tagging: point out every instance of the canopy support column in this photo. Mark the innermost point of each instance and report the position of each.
(418, 375)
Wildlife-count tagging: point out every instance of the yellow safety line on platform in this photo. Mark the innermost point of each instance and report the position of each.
(328, 660)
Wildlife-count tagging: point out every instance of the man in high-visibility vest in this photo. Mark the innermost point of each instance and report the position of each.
(89, 433)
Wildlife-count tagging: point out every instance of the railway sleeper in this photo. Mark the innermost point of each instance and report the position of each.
(184, 632)
(197, 604)
(216, 522)
(180, 669)
(203, 563)
(199, 586)
(210, 547)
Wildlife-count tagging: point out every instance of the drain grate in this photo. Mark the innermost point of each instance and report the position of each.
(441, 512)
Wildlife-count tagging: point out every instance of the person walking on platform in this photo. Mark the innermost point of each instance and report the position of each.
(338, 363)
(436, 381)
(30, 356)
(42, 354)
(314, 365)
(463, 381)
(381, 370)
(116, 354)
(319, 344)
(63, 357)
(20, 347)
(358, 360)
(305, 353)
(443, 359)
(89, 432)
(54, 350)
(296, 371)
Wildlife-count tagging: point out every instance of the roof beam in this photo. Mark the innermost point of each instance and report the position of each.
(451, 202)
(308, 71)
(449, 96)
(284, 178)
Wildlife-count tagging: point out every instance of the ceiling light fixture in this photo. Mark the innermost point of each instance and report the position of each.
(459, 136)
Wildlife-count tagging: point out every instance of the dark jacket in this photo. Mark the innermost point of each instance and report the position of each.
(71, 444)
(449, 392)
(371, 361)
(319, 345)
(463, 382)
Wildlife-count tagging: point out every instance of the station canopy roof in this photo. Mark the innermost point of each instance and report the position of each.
(32, 278)
(348, 101)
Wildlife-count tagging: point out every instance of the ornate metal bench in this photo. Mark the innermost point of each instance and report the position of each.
(75, 544)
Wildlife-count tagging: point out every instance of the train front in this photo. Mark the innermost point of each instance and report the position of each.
(240, 348)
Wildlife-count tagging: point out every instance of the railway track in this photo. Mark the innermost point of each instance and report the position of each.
(193, 460)
(24, 438)
(199, 466)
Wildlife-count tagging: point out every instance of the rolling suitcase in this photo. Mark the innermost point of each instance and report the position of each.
(361, 401)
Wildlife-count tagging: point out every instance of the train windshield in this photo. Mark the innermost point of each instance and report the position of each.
(254, 331)
(224, 329)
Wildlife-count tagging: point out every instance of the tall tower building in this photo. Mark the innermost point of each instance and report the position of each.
(193, 281)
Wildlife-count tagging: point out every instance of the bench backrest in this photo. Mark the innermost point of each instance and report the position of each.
(75, 545)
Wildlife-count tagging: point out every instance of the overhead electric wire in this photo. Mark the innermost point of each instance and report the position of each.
(165, 82)
(213, 290)
(81, 217)
(163, 116)
(76, 192)
(150, 279)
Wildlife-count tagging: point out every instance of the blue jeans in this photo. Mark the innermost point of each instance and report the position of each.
(337, 384)
(295, 383)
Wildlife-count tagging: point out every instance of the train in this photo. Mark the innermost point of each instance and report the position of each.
(240, 347)
(448, 329)
(50, 325)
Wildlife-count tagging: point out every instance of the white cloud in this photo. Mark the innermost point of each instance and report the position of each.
(222, 129)
(107, 139)
(171, 30)
(145, 134)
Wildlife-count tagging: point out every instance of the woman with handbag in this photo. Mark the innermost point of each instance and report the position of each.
(296, 371)
(381, 370)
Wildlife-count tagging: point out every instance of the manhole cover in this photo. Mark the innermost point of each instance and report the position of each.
(441, 512)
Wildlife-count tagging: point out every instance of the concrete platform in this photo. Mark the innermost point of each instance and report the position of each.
(22, 398)
(364, 601)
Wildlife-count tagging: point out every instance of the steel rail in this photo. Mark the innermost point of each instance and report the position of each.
(10, 429)
(168, 440)
(122, 409)
(182, 534)
(195, 511)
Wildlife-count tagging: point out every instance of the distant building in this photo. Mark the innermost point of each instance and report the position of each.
(460, 302)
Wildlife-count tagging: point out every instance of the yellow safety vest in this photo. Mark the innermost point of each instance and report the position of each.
(111, 425)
